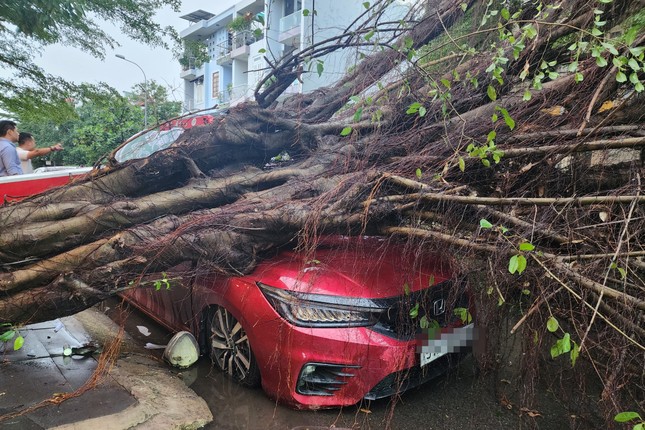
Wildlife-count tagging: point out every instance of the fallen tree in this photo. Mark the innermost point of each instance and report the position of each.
(522, 158)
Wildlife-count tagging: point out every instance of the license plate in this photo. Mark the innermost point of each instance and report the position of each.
(428, 357)
(450, 341)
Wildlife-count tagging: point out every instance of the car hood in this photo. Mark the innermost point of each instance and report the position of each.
(365, 267)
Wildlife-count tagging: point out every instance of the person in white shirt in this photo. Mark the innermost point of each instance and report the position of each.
(27, 150)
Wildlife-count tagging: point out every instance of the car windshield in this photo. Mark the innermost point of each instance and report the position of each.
(147, 144)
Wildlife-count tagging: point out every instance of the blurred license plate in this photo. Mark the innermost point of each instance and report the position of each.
(452, 340)
(428, 357)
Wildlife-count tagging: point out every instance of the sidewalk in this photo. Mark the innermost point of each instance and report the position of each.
(138, 393)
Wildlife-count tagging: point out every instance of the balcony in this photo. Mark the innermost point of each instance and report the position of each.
(241, 42)
(290, 28)
(224, 55)
(192, 73)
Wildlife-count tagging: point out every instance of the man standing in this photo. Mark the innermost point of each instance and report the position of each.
(27, 150)
(9, 161)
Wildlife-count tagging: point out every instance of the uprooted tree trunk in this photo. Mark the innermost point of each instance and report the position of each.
(453, 151)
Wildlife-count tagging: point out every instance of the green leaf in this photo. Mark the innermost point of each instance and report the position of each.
(446, 83)
(510, 122)
(358, 114)
(492, 94)
(422, 111)
(561, 346)
(305, 12)
(526, 292)
(527, 246)
(637, 51)
(414, 312)
(578, 77)
(418, 173)
(527, 96)
(552, 324)
(624, 417)
(18, 343)
(633, 78)
(513, 264)
(575, 353)
(320, 68)
(7, 336)
(596, 32)
(530, 31)
(485, 162)
(483, 223)
(413, 108)
(600, 61)
(623, 273)
(621, 77)
(464, 6)
(521, 264)
(505, 14)
(366, 5)
(639, 87)
(610, 47)
(369, 35)
(463, 315)
(423, 322)
(346, 131)
(633, 64)
(462, 164)
(406, 289)
(491, 136)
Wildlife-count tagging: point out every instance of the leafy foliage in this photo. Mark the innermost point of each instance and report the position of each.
(27, 27)
(100, 124)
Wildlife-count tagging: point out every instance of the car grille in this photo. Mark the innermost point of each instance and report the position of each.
(323, 379)
(401, 381)
(435, 303)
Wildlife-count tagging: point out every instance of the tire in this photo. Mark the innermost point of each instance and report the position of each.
(230, 349)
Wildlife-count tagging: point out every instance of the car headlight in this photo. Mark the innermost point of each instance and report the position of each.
(319, 310)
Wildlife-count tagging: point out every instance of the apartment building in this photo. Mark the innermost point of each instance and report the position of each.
(239, 39)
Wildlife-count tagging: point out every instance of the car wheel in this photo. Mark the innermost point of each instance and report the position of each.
(230, 349)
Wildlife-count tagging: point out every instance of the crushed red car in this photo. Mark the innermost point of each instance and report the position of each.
(359, 318)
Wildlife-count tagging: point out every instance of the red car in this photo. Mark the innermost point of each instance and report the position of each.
(360, 318)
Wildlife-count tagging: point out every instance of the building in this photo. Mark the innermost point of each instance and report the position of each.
(238, 41)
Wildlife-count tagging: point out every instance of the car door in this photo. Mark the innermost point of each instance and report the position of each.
(166, 296)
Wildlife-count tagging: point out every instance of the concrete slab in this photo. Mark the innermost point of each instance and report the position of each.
(137, 393)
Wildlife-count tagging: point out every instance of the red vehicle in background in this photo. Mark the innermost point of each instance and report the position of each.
(17, 187)
(361, 318)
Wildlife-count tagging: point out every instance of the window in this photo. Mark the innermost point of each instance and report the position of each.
(215, 85)
(291, 6)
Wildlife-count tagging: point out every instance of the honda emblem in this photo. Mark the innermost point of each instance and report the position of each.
(439, 306)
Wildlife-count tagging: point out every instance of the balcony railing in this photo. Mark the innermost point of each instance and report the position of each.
(246, 37)
(290, 21)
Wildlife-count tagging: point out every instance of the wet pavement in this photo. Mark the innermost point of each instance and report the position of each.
(138, 392)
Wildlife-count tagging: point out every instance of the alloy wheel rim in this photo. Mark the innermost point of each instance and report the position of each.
(230, 345)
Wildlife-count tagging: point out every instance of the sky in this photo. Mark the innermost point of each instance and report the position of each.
(157, 64)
